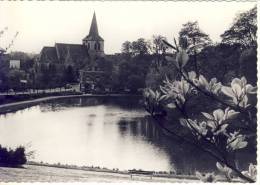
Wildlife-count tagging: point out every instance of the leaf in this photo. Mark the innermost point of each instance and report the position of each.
(182, 58)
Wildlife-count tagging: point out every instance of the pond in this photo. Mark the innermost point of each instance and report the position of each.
(112, 132)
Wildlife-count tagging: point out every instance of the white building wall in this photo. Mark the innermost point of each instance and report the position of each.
(15, 64)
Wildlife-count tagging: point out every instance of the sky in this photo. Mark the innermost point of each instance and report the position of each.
(45, 23)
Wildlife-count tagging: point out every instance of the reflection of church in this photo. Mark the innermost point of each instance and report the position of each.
(87, 59)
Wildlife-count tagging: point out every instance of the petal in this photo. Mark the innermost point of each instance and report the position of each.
(218, 114)
(250, 89)
(211, 124)
(192, 75)
(223, 127)
(236, 81)
(227, 91)
(243, 81)
(237, 89)
(242, 144)
(232, 114)
(171, 105)
(220, 167)
(203, 81)
(208, 116)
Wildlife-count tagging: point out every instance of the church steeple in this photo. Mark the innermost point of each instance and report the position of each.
(93, 41)
(93, 28)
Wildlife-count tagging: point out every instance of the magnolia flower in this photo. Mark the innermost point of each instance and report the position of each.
(239, 91)
(200, 128)
(207, 177)
(236, 141)
(251, 173)
(176, 90)
(154, 96)
(219, 115)
(216, 120)
(225, 171)
(214, 86)
(201, 81)
(211, 86)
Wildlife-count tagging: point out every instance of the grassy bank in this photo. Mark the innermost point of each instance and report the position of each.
(37, 172)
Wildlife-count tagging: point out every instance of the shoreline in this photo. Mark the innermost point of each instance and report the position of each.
(43, 172)
(14, 106)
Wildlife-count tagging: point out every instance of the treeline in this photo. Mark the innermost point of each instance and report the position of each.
(234, 56)
(142, 62)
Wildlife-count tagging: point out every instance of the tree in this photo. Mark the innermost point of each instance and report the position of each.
(220, 61)
(141, 47)
(192, 38)
(127, 47)
(135, 82)
(243, 30)
(248, 65)
(158, 47)
(14, 79)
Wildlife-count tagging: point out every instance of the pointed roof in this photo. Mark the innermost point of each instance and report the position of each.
(93, 31)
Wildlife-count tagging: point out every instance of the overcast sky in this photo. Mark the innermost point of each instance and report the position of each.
(44, 23)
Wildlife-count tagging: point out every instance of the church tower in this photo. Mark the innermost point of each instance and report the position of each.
(93, 41)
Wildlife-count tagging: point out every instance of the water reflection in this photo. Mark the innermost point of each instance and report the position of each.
(106, 132)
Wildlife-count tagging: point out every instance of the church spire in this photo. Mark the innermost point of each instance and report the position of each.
(93, 31)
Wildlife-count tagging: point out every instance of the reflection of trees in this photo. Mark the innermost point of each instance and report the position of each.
(121, 102)
(185, 158)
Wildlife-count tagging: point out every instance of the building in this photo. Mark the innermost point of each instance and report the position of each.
(15, 64)
(88, 59)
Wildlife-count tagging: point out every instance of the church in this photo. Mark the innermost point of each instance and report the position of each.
(88, 59)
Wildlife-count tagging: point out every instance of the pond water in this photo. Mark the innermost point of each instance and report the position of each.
(105, 132)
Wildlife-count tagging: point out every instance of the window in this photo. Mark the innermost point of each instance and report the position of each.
(97, 46)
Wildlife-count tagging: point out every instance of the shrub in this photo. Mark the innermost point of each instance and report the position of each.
(12, 158)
